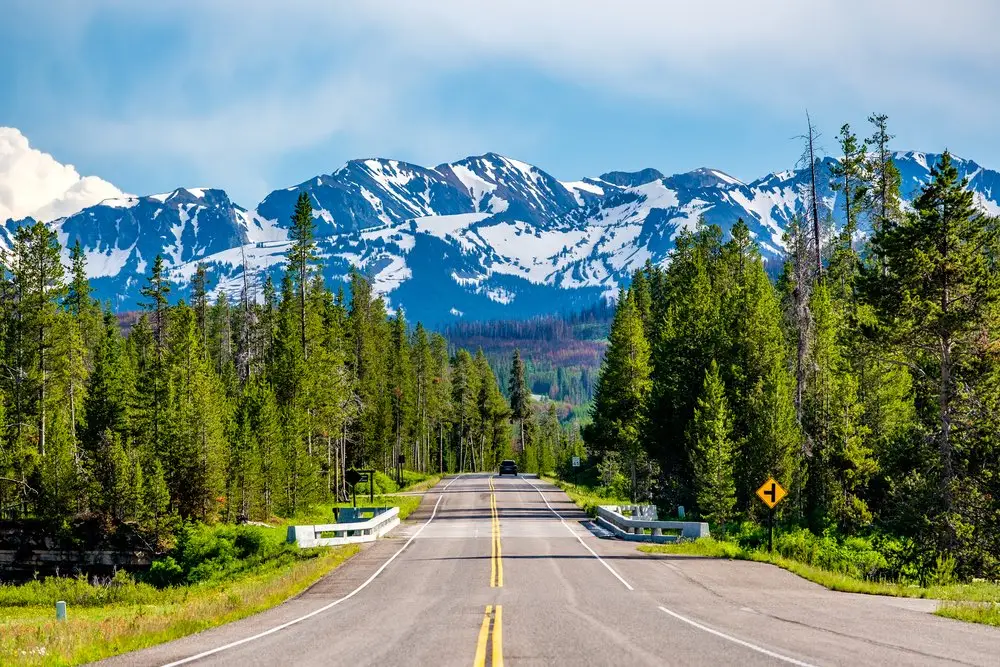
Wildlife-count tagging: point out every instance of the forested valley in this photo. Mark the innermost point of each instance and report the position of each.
(866, 379)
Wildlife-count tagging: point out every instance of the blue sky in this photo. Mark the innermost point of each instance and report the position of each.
(252, 96)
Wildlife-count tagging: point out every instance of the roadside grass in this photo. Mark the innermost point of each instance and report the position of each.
(586, 497)
(977, 602)
(987, 613)
(102, 624)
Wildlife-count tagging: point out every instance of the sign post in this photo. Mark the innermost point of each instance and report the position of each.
(576, 469)
(771, 493)
(353, 477)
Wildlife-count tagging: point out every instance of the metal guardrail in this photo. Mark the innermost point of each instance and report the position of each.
(612, 518)
(353, 532)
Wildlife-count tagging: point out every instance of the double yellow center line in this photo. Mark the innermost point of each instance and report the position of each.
(494, 617)
(491, 631)
(496, 554)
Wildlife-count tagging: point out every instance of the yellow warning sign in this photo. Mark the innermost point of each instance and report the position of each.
(771, 493)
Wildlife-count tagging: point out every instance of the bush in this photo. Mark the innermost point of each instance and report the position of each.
(210, 553)
(854, 556)
(165, 572)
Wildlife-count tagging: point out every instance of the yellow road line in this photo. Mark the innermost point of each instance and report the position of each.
(493, 550)
(498, 637)
(496, 513)
(484, 635)
(487, 638)
(496, 551)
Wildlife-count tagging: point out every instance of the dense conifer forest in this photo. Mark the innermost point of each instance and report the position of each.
(231, 410)
(866, 379)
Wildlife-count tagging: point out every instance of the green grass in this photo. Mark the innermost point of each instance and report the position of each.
(100, 624)
(586, 497)
(987, 613)
(976, 601)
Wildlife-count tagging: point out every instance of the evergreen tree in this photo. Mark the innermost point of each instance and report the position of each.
(623, 388)
(156, 290)
(883, 200)
(711, 448)
(301, 256)
(520, 396)
(939, 291)
(38, 281)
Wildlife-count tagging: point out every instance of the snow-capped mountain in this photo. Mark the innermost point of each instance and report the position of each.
(486, 236)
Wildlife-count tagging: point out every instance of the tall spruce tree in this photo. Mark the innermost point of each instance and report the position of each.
(623, 387)
(520, 397)
(939, 291)
(301, 257)
(711, 447)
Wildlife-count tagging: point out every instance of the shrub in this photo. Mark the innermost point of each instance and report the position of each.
(165, 572)
(854, 556)
(209, 553)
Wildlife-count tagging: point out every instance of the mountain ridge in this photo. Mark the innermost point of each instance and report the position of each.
(486, 236)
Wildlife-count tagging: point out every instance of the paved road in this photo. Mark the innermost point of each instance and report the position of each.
(503, 570)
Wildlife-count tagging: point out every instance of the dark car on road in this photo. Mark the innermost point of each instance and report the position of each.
(508, 467)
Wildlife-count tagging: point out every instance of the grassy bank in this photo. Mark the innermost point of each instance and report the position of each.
(588, 498)
(215, 575)
(976, 602)
(125, 615)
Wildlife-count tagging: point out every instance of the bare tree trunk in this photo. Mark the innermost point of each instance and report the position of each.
(815, 200)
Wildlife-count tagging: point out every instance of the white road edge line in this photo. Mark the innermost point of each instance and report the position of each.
(759, 649)
(579, 539)
(357, 590)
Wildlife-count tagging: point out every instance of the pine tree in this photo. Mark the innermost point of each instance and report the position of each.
(620, 401)
(711, 450)
(199, 301)
(156, 290)
(883, 200)
(38, 280)
(520, 396)
(301, 257)
(939, 290)
(400, 379)
(839, 463)
(440, 397)
(423, 369)
(195, 451)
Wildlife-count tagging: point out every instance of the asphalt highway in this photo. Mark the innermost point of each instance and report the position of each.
(493, 571)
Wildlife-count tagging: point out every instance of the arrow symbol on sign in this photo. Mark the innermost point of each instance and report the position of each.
(773, 491)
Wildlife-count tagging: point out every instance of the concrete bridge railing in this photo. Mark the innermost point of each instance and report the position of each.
(346, 532)
(643, 519)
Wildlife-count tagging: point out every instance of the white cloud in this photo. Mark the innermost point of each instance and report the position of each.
(33, 183)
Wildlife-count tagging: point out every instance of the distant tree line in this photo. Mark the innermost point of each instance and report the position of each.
(561, 352)
(866, 380)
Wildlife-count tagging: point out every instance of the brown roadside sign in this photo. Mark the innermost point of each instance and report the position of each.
(771, 493)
